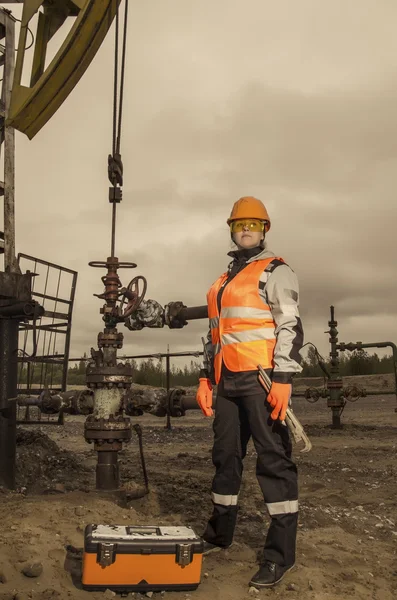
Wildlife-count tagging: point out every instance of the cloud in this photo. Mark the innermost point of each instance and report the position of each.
(293, 103)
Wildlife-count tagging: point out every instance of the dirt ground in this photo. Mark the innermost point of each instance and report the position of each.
(347, 538)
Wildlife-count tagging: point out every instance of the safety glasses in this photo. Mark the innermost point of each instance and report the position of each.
(251, 224)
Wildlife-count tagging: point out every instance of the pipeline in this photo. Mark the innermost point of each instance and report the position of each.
(135, 402)
(73, 402)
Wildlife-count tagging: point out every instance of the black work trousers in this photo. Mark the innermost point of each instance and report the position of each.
(236, 420)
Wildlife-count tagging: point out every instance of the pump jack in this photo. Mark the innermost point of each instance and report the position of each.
(27, 108)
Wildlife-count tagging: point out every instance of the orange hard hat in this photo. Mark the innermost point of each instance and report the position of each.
(249, 207)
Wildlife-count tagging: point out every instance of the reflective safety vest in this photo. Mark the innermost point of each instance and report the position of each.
(243, 333)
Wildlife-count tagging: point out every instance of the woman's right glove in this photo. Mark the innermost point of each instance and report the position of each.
(204, 396)
(278, 398)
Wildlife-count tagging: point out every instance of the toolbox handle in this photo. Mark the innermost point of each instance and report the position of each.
(143, 530)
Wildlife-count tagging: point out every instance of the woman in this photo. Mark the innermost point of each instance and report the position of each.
(254, 319)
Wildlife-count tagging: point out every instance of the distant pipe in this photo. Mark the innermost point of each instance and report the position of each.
(359, 345)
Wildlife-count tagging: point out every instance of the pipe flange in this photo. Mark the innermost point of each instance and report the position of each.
(335, 384)
(107, 430)
(112, 423)
(119, 370)
(122, 384)
(107, 446)
(107, 437)
(174, 405)
(109, 376)
(110, 338)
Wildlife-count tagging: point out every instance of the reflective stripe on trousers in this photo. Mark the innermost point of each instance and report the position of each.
(282, 508)
(224, 499)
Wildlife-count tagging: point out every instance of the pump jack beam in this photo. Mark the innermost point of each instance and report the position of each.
(32, 106)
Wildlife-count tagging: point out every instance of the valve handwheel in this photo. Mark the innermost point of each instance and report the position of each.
(132, 294)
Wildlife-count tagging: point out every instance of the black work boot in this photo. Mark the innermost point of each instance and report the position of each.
(269, 574)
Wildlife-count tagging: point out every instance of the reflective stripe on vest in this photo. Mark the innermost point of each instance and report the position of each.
(243, 334)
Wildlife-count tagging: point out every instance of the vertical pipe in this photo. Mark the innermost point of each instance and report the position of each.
(167, 363)
(334, 384)
(167, 379)
(394, 351)
(107, 471)
(8, 389)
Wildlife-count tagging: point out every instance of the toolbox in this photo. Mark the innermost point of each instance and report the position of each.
(141, 558)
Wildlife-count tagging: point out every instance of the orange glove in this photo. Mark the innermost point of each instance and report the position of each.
(279, 397)
(204, 396)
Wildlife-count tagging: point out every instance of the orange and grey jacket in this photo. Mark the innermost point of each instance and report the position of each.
(254, 319)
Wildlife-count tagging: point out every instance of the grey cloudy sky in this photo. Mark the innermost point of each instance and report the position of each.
(293, 102)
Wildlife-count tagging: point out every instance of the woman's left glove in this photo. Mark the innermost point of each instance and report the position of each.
(204, 396)
(279, 397)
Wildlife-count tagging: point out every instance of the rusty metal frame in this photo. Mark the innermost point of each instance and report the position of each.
(8, 327)
(63, 326)
(7, 140)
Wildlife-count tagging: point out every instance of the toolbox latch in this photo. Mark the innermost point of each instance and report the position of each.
(106, 554)
(184, 554)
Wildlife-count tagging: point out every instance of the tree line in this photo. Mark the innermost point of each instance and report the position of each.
(358, 362)
(152, 371)
(146, 372)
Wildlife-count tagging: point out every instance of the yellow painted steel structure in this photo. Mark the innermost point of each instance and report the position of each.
(32, 106)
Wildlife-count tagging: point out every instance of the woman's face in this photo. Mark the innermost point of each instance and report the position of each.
(246, 234)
